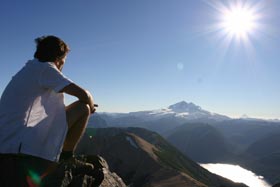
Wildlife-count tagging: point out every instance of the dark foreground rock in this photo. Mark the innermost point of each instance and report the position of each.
(82, 171)
(276, 185)
(70, 174)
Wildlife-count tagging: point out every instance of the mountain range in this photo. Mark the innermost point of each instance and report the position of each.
(207, 137)
(160, 120)
(182, 111)
(143, 158)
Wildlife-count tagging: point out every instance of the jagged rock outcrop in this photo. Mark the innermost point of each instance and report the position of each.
(67, 174)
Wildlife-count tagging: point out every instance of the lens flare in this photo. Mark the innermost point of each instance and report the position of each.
(33, 179)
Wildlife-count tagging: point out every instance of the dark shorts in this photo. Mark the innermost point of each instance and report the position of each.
(19, 170)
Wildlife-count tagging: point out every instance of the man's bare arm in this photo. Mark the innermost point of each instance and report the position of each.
(82, 94)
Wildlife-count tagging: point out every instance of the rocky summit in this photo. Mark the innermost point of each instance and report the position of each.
(71, 174)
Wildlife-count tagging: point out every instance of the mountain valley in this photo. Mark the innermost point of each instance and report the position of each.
(208, 137)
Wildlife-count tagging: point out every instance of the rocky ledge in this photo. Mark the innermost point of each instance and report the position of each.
(73, 174)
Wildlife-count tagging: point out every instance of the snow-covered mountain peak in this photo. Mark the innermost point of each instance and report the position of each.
(183, 107)
(180, 112)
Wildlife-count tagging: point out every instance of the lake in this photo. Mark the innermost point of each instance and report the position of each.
(237, 174)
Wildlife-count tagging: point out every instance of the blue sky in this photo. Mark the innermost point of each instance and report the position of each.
(140, 54)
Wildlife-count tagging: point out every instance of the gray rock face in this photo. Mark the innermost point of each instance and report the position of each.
(111, 179)
(70, 174)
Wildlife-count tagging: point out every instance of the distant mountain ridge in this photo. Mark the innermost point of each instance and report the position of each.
(182, 110)
(182, 125)
(161, 120)
(201, 142)
(144, 159)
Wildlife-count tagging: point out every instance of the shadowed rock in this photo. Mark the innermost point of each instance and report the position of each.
(68, 174)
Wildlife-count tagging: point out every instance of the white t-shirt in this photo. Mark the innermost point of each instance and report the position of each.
(32, 112)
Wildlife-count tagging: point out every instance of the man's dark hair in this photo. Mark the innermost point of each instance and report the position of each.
(50, 49)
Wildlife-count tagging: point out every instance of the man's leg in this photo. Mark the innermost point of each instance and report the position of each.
(77, 115)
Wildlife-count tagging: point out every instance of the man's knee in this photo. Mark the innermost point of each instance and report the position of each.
(76, 111)
(85, 108)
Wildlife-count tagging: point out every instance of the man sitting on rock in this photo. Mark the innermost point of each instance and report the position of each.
(35, 125)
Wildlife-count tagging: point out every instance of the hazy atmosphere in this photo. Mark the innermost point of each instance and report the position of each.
(138, 55)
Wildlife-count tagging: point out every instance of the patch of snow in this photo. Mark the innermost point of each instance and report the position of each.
(131, 142)
(183, 114)
(161, 112)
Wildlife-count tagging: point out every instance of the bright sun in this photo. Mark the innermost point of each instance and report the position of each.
(239, 21)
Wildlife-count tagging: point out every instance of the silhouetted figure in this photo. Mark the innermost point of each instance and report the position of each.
(36, 129)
